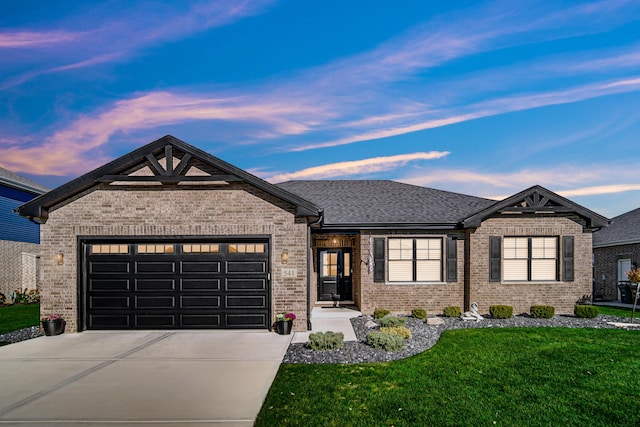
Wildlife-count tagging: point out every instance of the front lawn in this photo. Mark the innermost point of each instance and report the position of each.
(617, 311)
(18, 316)
(487, 377)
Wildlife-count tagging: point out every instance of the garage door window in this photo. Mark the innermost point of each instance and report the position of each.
(109, 249)
(247, 248)
(156, 249)
(200, 248)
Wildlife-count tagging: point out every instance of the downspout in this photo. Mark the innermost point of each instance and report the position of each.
(310, 258)
(467, 271)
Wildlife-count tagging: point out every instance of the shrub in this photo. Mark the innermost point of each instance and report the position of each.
(501, 311)
(379, 313)
(419, 313)
(384, 341)
(542, 311)
(401, 331)
(2, 298)
(585, 311)
(326, 340)
(393, 321)
(452, 311)
(25, 296)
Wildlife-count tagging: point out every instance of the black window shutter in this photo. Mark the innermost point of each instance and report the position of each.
(452, 260)
(495, 258)
(378, 258)
(567, 258)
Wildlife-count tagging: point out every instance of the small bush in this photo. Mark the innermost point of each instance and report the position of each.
(379, 313)
(393, 321)
(452, 311)
(326, 340)
(501, 311)
(401, 331)
(419, 313)
(25, 296)
(542, 311)
(384, 341)
(2, 298)
(585, 311)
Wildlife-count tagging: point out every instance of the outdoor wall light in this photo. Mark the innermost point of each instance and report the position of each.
(284, 256)
(59, 258)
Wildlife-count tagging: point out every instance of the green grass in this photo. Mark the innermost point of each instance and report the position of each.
(617, 311)
(18, 316)
(485, 377)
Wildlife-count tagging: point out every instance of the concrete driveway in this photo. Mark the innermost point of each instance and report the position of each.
(159, 378)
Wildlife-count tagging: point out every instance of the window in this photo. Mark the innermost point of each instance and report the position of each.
(198, 248)
(247, 248)
(109, 249)
(530, 258)
(415, 260)
(156, 249)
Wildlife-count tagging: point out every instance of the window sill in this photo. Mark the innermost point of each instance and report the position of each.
(415, 283)
(530, 282)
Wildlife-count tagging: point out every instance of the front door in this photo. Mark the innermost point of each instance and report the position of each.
(334, 274)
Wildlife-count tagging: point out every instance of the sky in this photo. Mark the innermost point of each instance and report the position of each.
(481, 98)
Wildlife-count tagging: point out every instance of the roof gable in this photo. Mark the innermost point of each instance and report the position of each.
(537, 199)
(167, 161)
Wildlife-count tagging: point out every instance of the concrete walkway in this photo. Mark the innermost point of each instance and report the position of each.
(173, 378)
(325, 319)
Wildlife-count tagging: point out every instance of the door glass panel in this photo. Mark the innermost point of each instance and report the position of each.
(347, 264)
(329, 264)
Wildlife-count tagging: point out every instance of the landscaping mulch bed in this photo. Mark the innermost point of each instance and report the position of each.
(21, 334)
(425, 336)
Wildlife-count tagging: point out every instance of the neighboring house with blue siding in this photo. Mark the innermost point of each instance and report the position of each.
(19, 237)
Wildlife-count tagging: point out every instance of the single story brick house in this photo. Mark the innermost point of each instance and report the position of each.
(19, 237)
(616, 250)
(169, 236)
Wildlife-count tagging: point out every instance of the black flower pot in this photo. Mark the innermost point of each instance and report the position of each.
(53, 327)
(283, 327)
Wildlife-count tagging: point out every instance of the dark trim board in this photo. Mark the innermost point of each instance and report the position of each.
(176, 289)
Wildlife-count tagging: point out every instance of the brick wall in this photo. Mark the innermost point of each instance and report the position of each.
(18, 266)
(605, 261)
(402, 298)
(233, 210)
(562, 295)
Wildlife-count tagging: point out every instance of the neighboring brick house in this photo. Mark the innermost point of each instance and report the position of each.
(616, 250)
(169, 236)
(19, 237)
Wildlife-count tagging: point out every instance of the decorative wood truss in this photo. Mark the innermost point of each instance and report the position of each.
(172, 166)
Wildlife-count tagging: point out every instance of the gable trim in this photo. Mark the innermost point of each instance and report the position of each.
(118, 170)
(534, 200)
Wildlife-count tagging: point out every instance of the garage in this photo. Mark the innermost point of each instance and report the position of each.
(175, 284)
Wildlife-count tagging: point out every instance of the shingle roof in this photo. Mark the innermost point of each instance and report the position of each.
(624, 229)
(13, 180)
(377, 202)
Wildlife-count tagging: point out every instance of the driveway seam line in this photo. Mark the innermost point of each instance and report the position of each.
(79, 375)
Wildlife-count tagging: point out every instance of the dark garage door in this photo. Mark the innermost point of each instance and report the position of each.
(175, 285)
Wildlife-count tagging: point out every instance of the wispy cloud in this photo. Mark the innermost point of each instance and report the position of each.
(357, 167)
(73, 149)
(114, 38)
(33, 40)
(567, 180)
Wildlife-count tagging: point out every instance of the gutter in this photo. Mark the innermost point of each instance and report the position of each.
(310, 255)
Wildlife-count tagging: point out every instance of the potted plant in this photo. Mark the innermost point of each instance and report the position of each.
(53, 324)
(284, 322)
